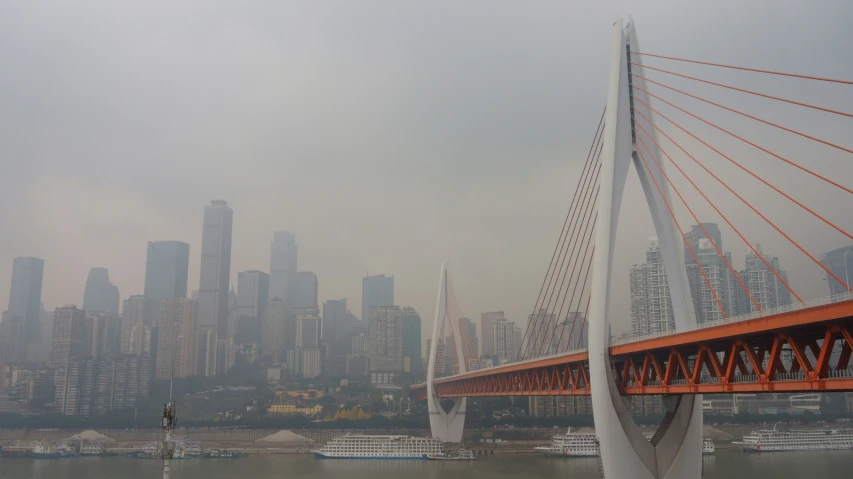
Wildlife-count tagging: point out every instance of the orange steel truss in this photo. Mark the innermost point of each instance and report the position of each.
(805, 350)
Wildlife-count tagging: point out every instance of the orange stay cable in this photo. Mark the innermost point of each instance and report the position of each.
(795, 165)
(687, 243)
(581, 188)
(588, 240)
(732, 226)
(733, 67)
(747, 115)
(751, 92)
(588, 195)
(598, 130)
(739, 196)
(747, 170)
(585, 312)
(714, 244)
(586, 276)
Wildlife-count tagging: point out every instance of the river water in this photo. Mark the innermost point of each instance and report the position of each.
(726, 464)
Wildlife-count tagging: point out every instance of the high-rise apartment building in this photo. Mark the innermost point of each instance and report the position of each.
(440, 355)
(308, 330)
(651, 303)
(764, 286)
(283, 254)
(507, 344)
(215, 267)
(252, 293)
(12, 344)
(386, 345)
(412, 355)
(305, 291)
(487, 331)
(68, 348)
(25, 295)
(540, 340)
(376, 290)
(100, 296)
(840, 262)
(716, 274)
(103, 335)
(138, 309)
(178, 338)
(166, 272)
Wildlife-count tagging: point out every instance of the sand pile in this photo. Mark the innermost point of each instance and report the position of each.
(284, 436)
(90, 435)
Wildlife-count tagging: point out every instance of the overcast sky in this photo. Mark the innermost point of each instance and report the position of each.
(388, 136)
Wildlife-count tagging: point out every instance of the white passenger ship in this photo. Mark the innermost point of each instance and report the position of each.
(380, 447)
(773, 440)
(586, 445)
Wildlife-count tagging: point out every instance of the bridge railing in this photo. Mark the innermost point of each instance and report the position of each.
(798, 306)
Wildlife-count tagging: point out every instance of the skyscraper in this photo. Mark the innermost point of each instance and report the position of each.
(386, 345)
(487, 331)
(506, 341)
(720, 278)
(651, 304)
(308, 328)
(695, 234)
(305, 291)
(377, 290)
(274, 328)
(12, 345)
(252, 293)
(764, 286)
(177, 345)
(67, 351)
(283, 253)
(840, 262)
(166, 271)
(103, 335)
(100, 295)
(215, 267)
(412, 354)
(25, 294)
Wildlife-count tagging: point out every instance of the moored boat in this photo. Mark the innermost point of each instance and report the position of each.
(380, 447)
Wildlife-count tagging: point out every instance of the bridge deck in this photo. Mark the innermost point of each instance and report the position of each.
(806, 349)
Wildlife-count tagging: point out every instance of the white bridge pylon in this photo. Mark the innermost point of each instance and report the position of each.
(675, 452)
(448, 426)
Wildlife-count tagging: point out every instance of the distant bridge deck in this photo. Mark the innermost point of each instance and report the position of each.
(737, 355)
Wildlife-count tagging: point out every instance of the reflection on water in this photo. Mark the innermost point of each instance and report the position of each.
(726, 464)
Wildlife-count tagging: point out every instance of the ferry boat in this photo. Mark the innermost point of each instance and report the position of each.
(380, 447)
(91, 449)
(42, 451)
(461, 455)
(774, 440)
(586, 445)
(572, 444)
(221, 454)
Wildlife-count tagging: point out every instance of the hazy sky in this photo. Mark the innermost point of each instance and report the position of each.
(386, 135)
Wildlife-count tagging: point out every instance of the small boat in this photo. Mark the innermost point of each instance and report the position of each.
(461, 455)
(223, 454)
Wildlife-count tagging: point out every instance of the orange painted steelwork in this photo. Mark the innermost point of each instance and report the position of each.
(743, 357)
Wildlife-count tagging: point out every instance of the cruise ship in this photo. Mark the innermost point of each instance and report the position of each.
(380, 447)
(586, 445)
(774, 440)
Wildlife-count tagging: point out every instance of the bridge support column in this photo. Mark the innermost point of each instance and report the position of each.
(447, 426)
(675, 452)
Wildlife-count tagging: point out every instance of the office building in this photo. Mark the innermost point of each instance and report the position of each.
(338, 327)
(215, 268)
(308, 330)
(312, 362)
(377, 290)
(386, 345)
(100, 295)
(274, 328)
(252, 293)
(305, 291)
(283, 254)
(651, 303)
(840, 262)
(166, 272)
(206, 355)
(412, 355)
(12, 344)
(178, 338)
(25, 295)
(696, 234)
(487, 331)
